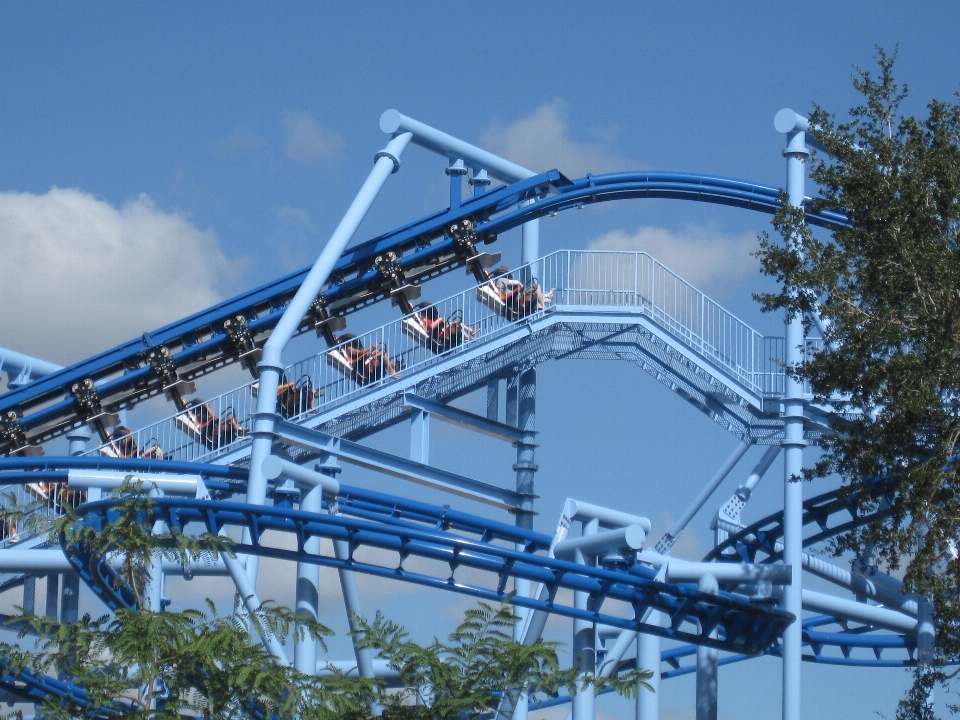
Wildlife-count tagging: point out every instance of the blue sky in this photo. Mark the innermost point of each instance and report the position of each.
(157, 157)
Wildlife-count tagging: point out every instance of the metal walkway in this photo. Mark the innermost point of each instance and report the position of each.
(605, 305)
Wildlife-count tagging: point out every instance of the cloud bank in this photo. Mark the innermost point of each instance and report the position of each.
(541, 141)
(308, 141)
(79, 275)
(703, 255)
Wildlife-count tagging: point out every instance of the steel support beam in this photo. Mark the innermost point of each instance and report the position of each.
(357, 454)
(464, 419)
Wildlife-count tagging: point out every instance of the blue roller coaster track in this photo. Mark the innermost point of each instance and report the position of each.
(623, 306)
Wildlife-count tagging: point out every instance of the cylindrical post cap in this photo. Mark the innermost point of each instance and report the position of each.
(786, 121)
(634, 537)
(390, 121)
(271, 467)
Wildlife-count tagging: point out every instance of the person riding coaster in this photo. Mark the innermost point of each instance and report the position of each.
(428, 327)
(122, 444)
(509, 297)
(364, 365)
(213, 431)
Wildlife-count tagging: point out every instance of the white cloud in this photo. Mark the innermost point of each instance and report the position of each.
(308, 141)
(244, 139)
(540, 141)
(703, 255)
(79, 275)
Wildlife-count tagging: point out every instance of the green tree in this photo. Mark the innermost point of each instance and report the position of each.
(157, 664)
(888, 287)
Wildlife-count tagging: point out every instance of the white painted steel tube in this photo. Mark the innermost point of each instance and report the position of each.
(308, 586)
(105, 480)
(252, 603)
(393, 122)
(723, 572)
(45, 560)
(707, 666)
(381, 668)
(686, 571)
(881, 588)
(274, 468)
(859, 612)
(648, 658)
(271, 365)
(351, 601)
(758, 472)
(12, 362)
(787, 121)
(584, 644)
(608, 518)
(670, 537)
(602, 543)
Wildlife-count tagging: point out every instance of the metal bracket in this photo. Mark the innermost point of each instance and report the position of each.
(13, 434)
(464, 234)
(325, 324)
(91, 409)
(163, 365)
(238, 330)
(401, 293)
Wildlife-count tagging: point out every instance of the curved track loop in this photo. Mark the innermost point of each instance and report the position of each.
(846, 642)
(822, 511)
(202, 343)
(450, 558)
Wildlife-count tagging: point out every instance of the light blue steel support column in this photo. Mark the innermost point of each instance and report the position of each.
(155, 589)
(70, 598)
(70, 592)
(77, 440)
(29, 593)
(793, 440)
(456, 171)
(510, 404)
(53, 594)
(348, 584)
(420, 436)
(926, 636)
(479, 182)
(22, 369)
(493, 399)
(671, 535)
(525, 467)
(308, 586)
(526, 401)
(584, 643)
(386, 162)
(707, 663)
(648, 658)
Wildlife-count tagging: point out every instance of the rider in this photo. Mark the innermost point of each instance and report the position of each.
(368, 363)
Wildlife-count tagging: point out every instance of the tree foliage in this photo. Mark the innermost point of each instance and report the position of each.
(888, 287)
(156, 664)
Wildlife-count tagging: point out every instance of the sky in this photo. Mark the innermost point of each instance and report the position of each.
(158, 157)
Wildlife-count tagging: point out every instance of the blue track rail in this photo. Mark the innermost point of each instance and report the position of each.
(741, 625)
(426, 248)
(411, 528)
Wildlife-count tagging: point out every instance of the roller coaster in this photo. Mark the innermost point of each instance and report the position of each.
(261, 461)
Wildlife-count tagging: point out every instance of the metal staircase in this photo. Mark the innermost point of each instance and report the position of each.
(605, 305)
